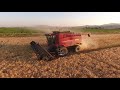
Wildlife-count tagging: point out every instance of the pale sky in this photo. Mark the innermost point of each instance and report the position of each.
(58, 18)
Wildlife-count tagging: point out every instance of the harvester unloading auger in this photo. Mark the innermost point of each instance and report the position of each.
(58, 44)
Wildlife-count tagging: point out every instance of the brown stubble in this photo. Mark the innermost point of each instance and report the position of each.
(17, 59)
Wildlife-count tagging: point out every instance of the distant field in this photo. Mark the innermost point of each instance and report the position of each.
(18, 32)
(32, 32)
(98, 31)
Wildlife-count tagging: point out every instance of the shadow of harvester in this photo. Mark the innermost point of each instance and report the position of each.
(14, 52)
(25, 52)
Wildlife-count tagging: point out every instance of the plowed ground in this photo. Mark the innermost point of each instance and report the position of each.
(99, 58)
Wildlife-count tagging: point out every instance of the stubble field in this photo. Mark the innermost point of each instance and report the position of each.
(99, 58)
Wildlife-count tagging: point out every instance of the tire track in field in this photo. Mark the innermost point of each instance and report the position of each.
(111, 70)
(88, 66)
(89, 73)
(100, 67)
(85, 63)
(108, 62)
(104, 59)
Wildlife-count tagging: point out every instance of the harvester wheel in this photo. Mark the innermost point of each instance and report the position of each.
(62, 51)
(77, 48)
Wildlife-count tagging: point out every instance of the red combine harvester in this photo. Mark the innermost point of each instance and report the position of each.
(59, 44)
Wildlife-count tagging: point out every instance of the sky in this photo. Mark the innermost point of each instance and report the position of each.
(58, 18)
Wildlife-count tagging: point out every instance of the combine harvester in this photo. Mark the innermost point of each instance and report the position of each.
(59, 44)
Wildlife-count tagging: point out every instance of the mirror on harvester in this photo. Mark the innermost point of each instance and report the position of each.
(88, 35)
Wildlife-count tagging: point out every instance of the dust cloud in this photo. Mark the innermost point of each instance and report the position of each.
(88, 43)
(46, 31)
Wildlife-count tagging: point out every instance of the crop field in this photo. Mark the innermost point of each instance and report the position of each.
(98, 31)
(16, 31)
(99, 58)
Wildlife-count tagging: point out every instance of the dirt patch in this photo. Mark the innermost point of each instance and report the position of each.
(17, 59)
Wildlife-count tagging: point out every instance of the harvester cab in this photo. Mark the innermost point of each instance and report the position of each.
(50, 39)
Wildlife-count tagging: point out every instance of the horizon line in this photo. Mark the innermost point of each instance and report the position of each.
(55, 25)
